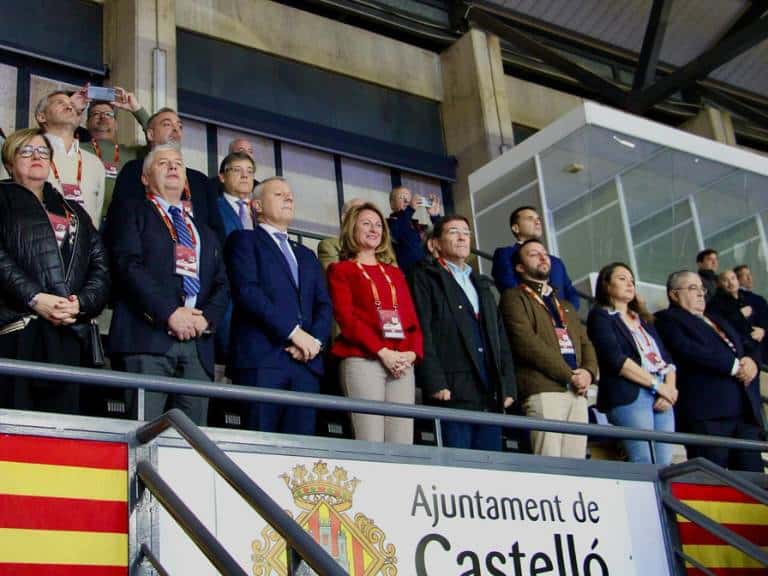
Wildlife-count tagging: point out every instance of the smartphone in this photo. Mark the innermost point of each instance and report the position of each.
(426, 202)
(104, 93)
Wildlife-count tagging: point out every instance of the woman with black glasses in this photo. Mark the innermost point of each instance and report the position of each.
(53, 277)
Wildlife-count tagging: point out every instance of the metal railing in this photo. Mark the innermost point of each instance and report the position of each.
(299, 543)
(727, 478)
(91, 376)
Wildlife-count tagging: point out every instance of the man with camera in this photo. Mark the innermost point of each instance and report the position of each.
(405, 230)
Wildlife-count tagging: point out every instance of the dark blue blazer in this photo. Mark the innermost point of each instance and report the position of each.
(704, 363)
(613, 344)
(231, 223)
(128, 186)
(503, 273)
(267, 303)
(147, 291)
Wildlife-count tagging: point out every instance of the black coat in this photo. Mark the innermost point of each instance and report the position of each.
(449, 362)
(147, 291)
(704, 363)
(726, 306)
(30, 259)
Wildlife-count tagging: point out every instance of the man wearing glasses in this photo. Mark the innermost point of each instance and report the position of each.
(102, 126)
(717, 374)
(467, 361)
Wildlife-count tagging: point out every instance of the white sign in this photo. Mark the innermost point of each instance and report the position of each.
(413, 520)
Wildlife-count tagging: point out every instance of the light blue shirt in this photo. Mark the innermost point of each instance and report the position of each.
(462, 276)
(191, 301)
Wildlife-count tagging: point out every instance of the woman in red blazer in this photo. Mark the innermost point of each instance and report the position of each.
(380, 336)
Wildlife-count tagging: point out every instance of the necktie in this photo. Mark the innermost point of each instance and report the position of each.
(242, 213)
(288, 255)
(191, 285)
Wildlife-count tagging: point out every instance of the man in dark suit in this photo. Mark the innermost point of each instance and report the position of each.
(165, 127)
(717, 374)
(282, 311)
(171, 288)
(467, 362)
(525, 224)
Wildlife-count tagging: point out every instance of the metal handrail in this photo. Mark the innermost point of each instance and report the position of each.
(725, 476)
(91, 376)
(295, 536)
(191, 524)
(146, 552)
(728, 478)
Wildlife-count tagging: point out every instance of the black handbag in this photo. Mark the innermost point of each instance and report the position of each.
(95, 347)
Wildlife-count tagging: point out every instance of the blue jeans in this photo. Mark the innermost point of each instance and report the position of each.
(475, 436)
(640, 414)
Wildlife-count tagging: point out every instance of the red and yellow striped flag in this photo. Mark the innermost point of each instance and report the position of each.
(63, 507)
(735, 511)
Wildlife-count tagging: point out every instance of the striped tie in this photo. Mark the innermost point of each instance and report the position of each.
(191, 285)
(290, 259)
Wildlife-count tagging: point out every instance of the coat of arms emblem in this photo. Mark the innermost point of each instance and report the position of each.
(324, 497)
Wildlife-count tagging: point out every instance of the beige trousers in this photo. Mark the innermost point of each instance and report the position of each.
(369, 380)
(564, 406)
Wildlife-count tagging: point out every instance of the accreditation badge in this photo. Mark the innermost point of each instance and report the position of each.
(111, 169)
(390, 324)
(72, 193)
(186, 261)
(59, 225)
(564, 340)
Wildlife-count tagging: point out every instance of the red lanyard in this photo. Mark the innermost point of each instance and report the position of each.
(376, 298)
(169, 224)
(96, 149)
(538, 299)
(720, 333)
(79, 171)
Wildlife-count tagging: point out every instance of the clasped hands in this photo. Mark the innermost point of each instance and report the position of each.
(57, 310)
(304, 347)
(747, 370)
(187, 323)
(396, 363)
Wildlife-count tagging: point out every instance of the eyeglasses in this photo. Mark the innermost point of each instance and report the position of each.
(107, 114)
(27, 151)
(240, 171)
(692, 288)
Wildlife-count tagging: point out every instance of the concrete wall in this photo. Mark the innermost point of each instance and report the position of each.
(311, 39)
(535, 105)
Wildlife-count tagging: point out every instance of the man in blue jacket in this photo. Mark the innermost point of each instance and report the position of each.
(282, 311)
(406, 232)
(525, 224)
(717, 374)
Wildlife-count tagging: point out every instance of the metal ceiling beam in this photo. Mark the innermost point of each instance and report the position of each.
(701, 66)
(492, 23)
(735, 105)
(654, 36)
(755, 11)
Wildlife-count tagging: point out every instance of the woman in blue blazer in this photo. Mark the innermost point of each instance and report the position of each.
(637, 379)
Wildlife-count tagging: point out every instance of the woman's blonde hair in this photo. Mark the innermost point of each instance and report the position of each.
(349, 246)
(17, 140)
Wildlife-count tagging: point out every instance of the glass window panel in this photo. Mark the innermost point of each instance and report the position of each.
(661, 255)
(8, 76)
(195, 145)
(492, 225)
(39, 86)
(368, 182)
(263, 151)
(663, 220)
(592, 241)
(312, 177)
(582, 206)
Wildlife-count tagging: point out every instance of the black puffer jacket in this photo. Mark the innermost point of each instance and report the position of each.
(30, 260)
